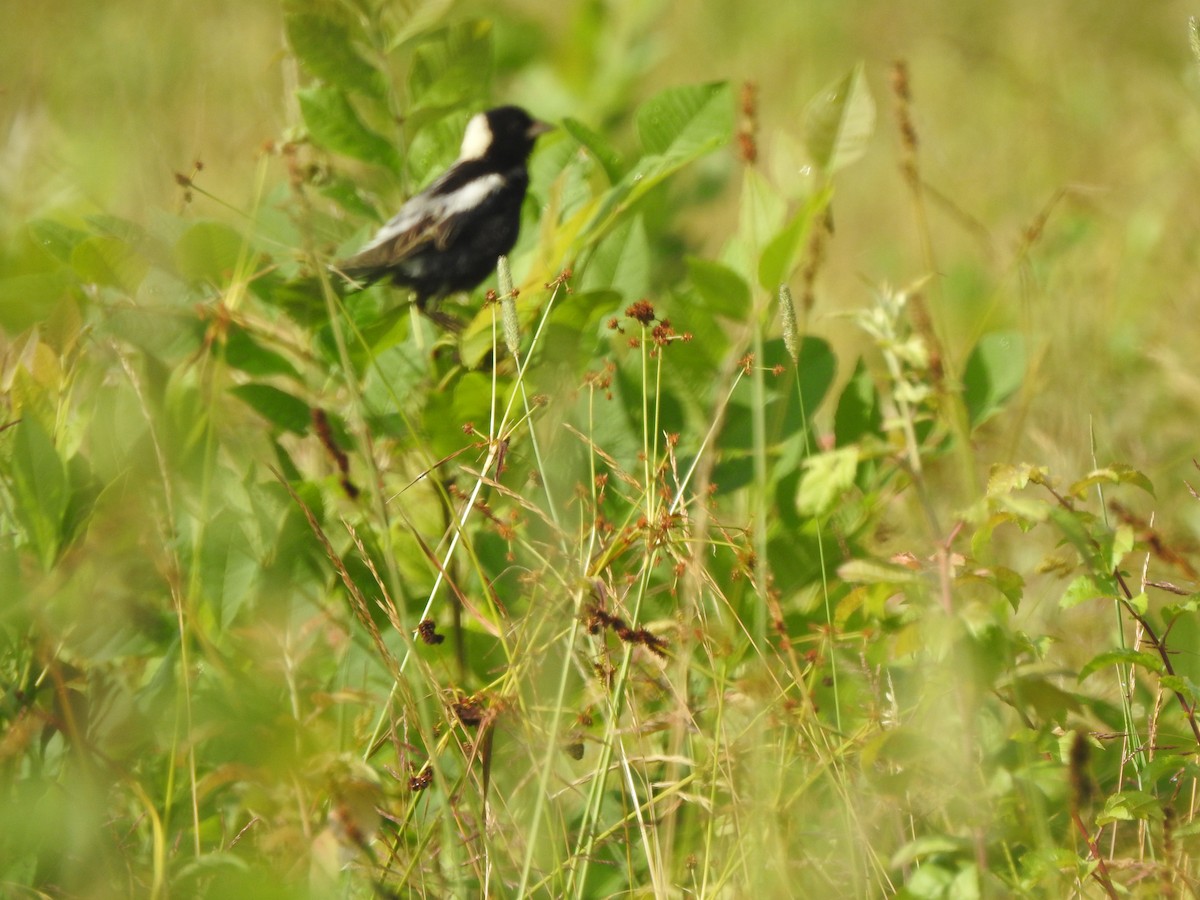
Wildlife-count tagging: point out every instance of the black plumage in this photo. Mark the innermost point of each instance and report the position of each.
(447, 238)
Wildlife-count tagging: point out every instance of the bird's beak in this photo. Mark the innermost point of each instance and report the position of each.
(537, 129)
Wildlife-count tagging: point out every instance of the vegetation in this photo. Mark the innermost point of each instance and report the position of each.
(804, 513)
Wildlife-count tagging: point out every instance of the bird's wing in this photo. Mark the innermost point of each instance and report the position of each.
(434, 216)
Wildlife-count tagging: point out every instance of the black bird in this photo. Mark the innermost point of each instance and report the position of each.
(447, 238)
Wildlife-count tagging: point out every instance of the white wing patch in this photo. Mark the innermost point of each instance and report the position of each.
(426, 208)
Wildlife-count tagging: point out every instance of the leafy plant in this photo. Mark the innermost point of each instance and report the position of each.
(639, 584)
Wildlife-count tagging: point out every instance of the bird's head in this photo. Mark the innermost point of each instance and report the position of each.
(505, 134)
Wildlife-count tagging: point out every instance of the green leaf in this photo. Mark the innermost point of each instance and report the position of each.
(723, 290)
(245, 354)
(1079, 591)
(621, 262)
(786, 414)
(278, 407)
(28, 299)
(1005, 580)
(994, 372)
(784, 251)
(1120, 545)
(839, 122)
(325, 48)
(110, 261)
(1183, 686)
(39, 488)
(334, 124)
(115, 226)
(873, 571)
(780, 255)
(1148, 661)
(827, 476)
(1114, 474)
(1074, 527)
(930, 845)
(55, 238)
(603, 151)
(858, 413)
(648, 173)
(209, 252)
(1047, 700)
(1130, 806)
(1025, 512)
(1139, 603)
(346, 193)
(452, 67)
(1005, 478)
(686, 121)
(817, 367)
(228, 568)
(761, 211)
(468, 399)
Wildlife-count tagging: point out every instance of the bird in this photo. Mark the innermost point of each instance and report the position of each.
(447, 238)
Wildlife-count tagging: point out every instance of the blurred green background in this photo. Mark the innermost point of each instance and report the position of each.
(1014, 103)
(1059, 145)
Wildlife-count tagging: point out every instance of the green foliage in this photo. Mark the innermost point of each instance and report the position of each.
(839, 122)
(308, 596)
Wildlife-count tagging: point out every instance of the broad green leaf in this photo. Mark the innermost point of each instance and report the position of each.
(345, 193)
(839, 121)
(647, 173)
(1114, 474)
(1173, 610)
(817, 368)
(209, 252)
(1130, 806)
(325, 48)
(1139, 603)
(334, 124)
(677, 127)
(1128, 656)
(621, 262)
(686, 121)
(245, 354)
(762, 212)
(723, 290)
(931, 845)
(1005, 478)
(1081, 590)
(1121, 544)
(115, 226)
(228, 568)
(109, 261)
(39, 487)
(28, 299)
(858, 413)
(1185, 687)
(994, 372)
(278, 407)
(786, 415)
(1025, 512)
(452, 67)
(55, 238)
(785, 250)
(600, 148)
(1074, 527)
(1004, 580)
(469, 399)
(1048, 700)
(827, 476)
